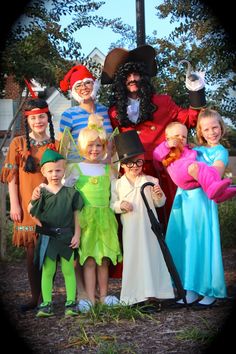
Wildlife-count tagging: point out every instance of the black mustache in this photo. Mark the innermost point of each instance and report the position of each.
(133, 82)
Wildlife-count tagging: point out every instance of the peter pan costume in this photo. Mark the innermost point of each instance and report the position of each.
(56, 214)
(145, 274)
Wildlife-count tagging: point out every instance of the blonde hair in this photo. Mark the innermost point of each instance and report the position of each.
(175, 152)
(172, 124)
(208, 113)
(93, 131)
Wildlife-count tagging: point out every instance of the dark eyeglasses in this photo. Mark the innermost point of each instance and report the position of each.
(83, 83)
(130, 164)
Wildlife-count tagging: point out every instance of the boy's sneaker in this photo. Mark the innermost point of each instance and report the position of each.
(71, 308)
(45, 310)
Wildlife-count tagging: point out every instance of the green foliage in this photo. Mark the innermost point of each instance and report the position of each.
(196, 334)
(101, 313)
(199, 38)
(227, 212)
(12, 252)
(231, 139)
(203, 334)
(39, 47)
(115, 348)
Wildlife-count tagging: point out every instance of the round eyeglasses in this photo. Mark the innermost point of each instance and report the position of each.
(83, 83)
(138, 163)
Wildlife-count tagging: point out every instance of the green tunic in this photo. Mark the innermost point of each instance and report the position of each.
(57, 211)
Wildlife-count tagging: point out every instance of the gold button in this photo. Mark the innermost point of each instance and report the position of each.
(93, 180)
(153, 127)
(138, 131)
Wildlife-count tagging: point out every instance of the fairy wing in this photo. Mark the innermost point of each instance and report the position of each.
(115, 164)
(115, 132)
(68, 147)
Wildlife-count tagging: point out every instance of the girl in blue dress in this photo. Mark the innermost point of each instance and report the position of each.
(193, 232)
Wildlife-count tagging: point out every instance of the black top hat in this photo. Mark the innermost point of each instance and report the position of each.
(128, 144)
(119, 56)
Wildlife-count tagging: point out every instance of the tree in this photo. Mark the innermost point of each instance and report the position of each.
(200, 38)
(39, 47)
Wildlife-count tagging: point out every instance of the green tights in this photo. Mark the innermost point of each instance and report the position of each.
(68, 271)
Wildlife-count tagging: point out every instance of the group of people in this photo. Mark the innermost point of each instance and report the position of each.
(91, 219)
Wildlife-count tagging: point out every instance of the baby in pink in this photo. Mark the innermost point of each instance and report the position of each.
(208, 178)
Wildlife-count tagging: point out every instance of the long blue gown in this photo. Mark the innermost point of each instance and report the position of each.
(193, 235)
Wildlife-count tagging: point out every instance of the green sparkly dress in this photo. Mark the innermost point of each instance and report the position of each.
(98, 223)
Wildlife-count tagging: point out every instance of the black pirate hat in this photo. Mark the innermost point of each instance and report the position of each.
(128, 144)
(119, 56)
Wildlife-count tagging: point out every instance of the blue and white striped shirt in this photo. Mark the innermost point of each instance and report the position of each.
(76, 118)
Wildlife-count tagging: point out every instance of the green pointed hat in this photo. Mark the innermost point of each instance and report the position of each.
(50, 155)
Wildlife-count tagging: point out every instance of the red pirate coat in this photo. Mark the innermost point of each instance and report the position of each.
(152, 133)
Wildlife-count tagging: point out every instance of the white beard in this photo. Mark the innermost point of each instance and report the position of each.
(80, 99)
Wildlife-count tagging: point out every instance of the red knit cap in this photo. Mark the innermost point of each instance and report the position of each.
(77, 73)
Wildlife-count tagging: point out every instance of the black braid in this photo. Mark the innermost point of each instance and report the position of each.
(51, 128)
(30, 164)
(119, 96)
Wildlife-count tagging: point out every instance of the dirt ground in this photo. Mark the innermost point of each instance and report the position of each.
(169, 331)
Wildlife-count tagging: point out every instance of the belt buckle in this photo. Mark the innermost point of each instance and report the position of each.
(58, 230)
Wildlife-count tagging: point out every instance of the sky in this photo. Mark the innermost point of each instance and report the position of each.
(125, 9)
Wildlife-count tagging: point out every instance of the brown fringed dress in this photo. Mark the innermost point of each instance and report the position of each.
(24, 232)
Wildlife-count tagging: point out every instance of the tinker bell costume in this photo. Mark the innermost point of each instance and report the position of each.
(98, 223)
(99, 227)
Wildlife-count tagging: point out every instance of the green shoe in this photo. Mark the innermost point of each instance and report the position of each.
(71, 308)
(45, 310)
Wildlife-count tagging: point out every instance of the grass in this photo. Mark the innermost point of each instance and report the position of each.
(202, 335)
(197, 334)
(103, 315)
(85, 339)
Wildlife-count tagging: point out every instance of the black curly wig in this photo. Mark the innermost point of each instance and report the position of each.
(119, 96)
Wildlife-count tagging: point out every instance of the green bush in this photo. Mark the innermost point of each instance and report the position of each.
(227, 212)
(13, 252)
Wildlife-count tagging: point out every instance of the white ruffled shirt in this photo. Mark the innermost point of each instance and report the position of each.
(133, 109)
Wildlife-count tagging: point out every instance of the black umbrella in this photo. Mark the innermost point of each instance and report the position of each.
(156, 228)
